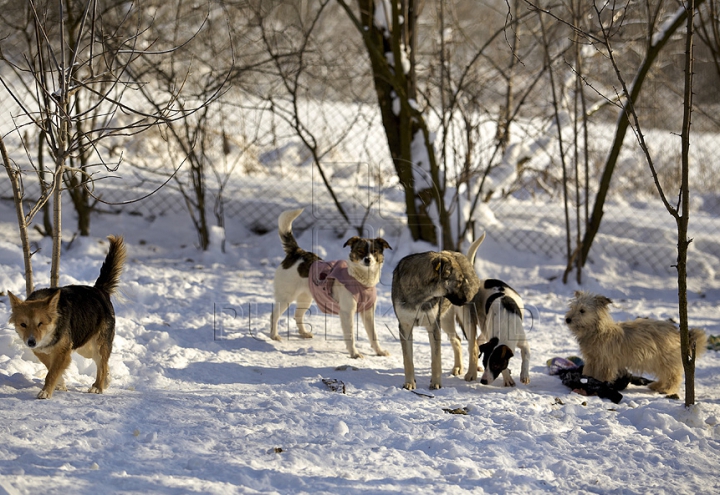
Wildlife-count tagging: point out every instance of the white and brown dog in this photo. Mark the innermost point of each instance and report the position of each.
(501, 309)
(338, 287)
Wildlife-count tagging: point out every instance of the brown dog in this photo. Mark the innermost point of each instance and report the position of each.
(54, 322)
(641, 345)
(424, 287)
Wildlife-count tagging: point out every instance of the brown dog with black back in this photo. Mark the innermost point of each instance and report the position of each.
(54, 322)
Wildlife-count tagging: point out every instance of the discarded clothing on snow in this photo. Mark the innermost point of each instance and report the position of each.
(570, 372)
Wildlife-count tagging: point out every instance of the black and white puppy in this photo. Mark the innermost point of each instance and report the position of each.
(501, 309)
(343, 287)
(424, 287)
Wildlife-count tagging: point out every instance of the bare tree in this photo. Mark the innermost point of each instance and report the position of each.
(23, 219)
(89, 62)
(681, 211)
(657, 36)
(389, 31)
(462, 94)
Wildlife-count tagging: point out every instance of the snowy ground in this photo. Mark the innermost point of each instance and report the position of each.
(203, 402)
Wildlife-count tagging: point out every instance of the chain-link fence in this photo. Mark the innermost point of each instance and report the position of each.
(636, 230)
(325, 146)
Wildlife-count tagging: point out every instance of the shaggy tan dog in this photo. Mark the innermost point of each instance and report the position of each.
(642, 345)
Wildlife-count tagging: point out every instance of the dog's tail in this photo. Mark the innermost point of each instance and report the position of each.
(112, 266)
(698, 338)
(472, 250)
(287, 238)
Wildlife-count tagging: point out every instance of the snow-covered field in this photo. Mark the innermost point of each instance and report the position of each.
(202, 401)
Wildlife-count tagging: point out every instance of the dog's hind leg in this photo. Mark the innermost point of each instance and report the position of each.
(102, 379)
(302, 304)
(470, 322)
(101, 358)
(669, 378)
(98, 349)
(525, 366)
(448, 325)
(668, 387)
(473, 352)
(279, 307)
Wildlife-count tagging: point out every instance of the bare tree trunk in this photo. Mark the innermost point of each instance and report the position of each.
(559, 126)
(688, 351)
(47, 221)
(576, 137)
(14, 175)
(653, 50)
(62, 144)
(57, 207)
(681, 213)
(580, 116)
(394, 85)
(503, 132)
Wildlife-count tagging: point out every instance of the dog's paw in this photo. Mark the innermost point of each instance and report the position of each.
(382, 352)
(509, 382)
(61, 386)
(357, 355)
(471, 375)
(306, 335)
(457, 371)
(95, 390)
(44, 394)
(524, 379)
(276, 337)
(435, 386)
(409, 385)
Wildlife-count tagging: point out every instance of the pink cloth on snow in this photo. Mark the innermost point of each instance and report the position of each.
(321, 278)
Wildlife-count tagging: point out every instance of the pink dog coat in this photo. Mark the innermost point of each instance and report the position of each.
(321, 278)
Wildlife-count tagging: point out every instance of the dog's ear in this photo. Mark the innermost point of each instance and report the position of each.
(382, 243)
(351, 241)
(488, 346)
(53, 302)
(438, 266)
(578, 293)
(443, 266)
(505, 352)
(14, 300)
(604, 301)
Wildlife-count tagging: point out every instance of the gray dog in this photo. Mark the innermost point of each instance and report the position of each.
(424, 287)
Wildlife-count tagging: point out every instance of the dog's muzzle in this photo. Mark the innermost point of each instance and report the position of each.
(456, 300)
(31, 342)
(568, 320)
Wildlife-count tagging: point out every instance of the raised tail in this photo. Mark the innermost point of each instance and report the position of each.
(474, 247)
(112, 266)
(285, 221)
(698, 338)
